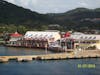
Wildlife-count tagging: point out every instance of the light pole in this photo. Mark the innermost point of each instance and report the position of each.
(71, 44)
(46, 48)
(65, 44)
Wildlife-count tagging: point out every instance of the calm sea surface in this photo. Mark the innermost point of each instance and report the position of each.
(51, 67)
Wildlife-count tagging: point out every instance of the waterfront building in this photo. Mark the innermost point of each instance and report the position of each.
(64, 44)
(86, 41)
(77, 40)
(14, 38)
(41, 39)
(34, 39)
(50, 36)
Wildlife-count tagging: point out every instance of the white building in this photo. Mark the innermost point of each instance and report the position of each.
(14, 38)
(87, 40)
(51, 36)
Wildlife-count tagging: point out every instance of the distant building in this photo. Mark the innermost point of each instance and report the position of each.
(54, 27)
(86, 40)
(14, 38)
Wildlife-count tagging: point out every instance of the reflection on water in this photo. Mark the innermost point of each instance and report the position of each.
(20, 51)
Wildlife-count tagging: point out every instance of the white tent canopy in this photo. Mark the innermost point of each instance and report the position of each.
(42, 35)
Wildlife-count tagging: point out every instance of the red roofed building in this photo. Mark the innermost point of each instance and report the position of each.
(16, 34)
(14, 38)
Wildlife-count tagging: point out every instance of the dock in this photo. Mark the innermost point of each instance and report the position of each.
(56, 56)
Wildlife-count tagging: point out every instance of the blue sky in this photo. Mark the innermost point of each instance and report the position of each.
(55, 6)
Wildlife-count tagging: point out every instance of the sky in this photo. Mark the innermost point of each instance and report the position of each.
(55, 6)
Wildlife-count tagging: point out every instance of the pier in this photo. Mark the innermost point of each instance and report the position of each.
(56, 56)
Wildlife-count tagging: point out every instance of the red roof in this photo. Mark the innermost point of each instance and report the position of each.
(16, 34)
(67, 34)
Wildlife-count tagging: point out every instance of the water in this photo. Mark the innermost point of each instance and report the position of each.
(20, 51)
(51, 67)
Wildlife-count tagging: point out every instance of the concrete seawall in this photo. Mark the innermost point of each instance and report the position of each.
(56, 56)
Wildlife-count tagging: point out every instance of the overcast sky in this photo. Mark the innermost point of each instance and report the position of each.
(55, 6)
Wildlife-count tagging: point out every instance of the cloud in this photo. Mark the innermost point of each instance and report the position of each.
(34, 2)
(12, 1)
(50, 6)
(23, 2)
(84, 4)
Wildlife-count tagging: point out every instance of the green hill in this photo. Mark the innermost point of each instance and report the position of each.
(12, 14)
(77, 19)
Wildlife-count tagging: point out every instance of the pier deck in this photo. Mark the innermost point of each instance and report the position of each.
(56, 56)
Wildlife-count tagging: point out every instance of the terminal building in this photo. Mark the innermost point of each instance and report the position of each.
(86, 41)
(50, 36)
